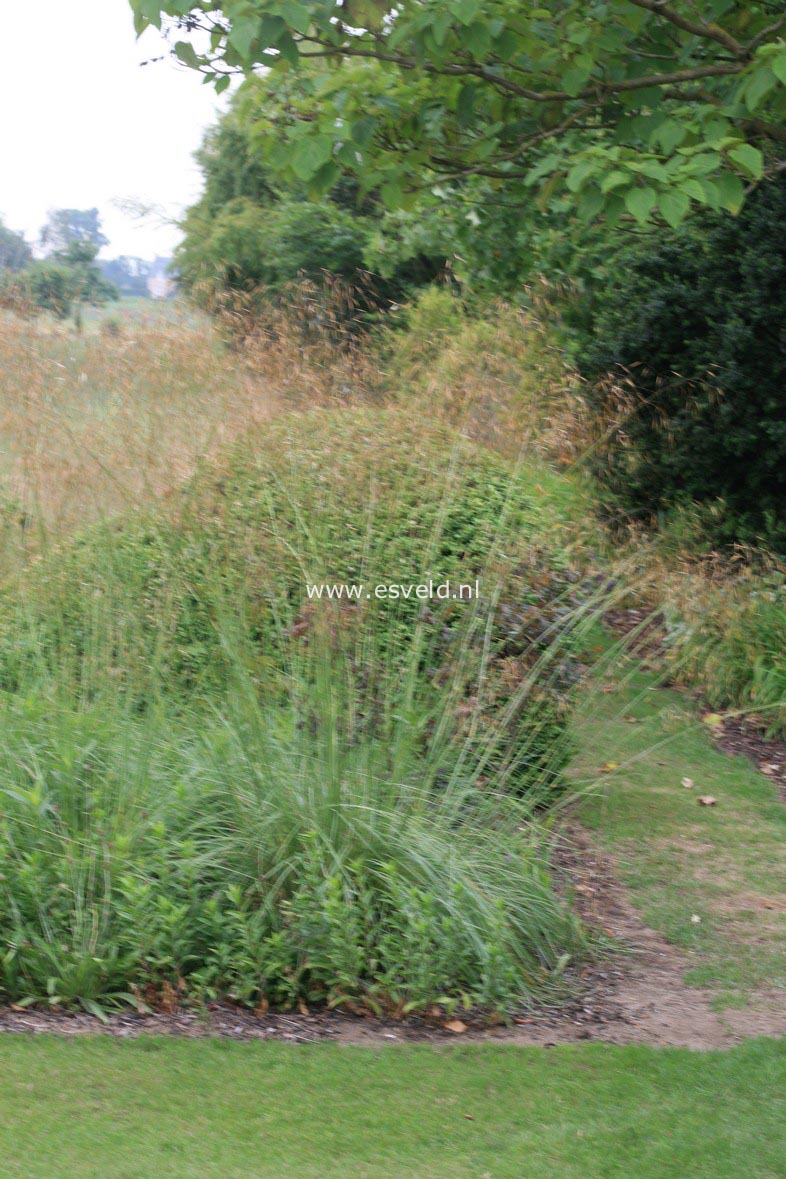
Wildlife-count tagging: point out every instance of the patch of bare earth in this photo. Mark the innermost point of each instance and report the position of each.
(654, 1004)
(643, 632)
(636, 996)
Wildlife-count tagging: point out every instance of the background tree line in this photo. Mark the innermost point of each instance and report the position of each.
(70, 275)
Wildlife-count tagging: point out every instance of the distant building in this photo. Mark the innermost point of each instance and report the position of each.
(160, 283)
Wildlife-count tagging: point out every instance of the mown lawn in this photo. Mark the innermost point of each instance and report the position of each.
(133, 1109)
(723, 864)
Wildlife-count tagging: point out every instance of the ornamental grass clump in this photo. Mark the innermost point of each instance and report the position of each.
(216, 785)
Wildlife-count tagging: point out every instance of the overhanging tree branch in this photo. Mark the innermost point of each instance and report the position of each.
(475, 70)
(709, 32)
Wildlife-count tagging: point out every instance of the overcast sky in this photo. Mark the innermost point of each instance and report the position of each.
(84, 124)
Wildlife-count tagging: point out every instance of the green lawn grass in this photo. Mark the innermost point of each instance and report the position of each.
(724, 864)
(122, 1110)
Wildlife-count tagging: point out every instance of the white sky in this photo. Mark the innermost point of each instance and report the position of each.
(83, 124)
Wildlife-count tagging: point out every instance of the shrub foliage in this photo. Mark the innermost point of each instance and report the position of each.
(692, 332)
(218, 786)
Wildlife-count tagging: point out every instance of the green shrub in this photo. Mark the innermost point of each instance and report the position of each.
(214, 785)
(342, 497)
(249, 248)
(692, 331)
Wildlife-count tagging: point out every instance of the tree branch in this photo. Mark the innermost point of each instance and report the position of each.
(768, 130)
(766, 33)
(701, 29)
(474, 70)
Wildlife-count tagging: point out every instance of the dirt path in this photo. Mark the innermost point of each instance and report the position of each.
(644, 997)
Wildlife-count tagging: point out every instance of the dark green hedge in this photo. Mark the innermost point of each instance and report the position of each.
(694, 325)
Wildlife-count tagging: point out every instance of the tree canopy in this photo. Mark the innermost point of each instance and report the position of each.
(627, 108)
(256, 233)
(67, 277)
(67, 226)
(15, 253)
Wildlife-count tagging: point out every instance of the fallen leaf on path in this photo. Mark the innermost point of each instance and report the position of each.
(469, 1117)
(706, 800)
(770, 767)
(455, 1025)
(609, 766)
(688, 783)
(713, 719)
(695, 919)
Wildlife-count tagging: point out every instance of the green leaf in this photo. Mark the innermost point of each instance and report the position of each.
(150, 10)
(640, 202)
(297, 17)
(575, 79)
(705, 162)
(311, 154)
(242, 35)
(347, 154)
(758, 86)
(505, 45)
(186, 53)
(391, 194)
(95, 1009)
(222, 83)
(270, 31)
(590, 204)
(613, 210)
(362, 131)
(477, 38)
(731, 192)
(693, 189)
(546, 192)
(674, 207)
(614, 180)
(465, 10)
(465, 105)
(669, 134)
(749, 159)
(439, 29)
(778, 67)
(579, 173)
(287, 47)
(323, 180)
(711, 194)
(366, 14)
